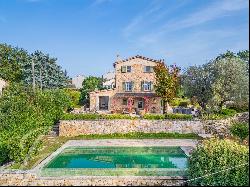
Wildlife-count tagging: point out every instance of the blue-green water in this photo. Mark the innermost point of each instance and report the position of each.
(118, 161)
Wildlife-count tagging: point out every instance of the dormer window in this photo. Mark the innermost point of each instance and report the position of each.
(148, 69)
(126, 69)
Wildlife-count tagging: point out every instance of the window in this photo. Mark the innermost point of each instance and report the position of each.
(148, 69)
(128, 86)
(124, 101)
(125, 69)
(128, 68)
(146, 86)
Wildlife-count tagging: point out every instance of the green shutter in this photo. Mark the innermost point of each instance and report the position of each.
(132, 83)
(123, 86)
(142, 82)
(123, 69)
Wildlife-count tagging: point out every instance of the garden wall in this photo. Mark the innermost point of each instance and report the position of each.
(85, 127)
(22, 178)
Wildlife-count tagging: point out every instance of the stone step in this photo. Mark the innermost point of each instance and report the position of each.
(206, 135)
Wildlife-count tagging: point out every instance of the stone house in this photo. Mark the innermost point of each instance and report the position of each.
(133, 90)
(3, 84)
(77, 81)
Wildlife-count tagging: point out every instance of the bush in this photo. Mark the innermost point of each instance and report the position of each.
(74, 96)
(215, 156)
(24, 116)
(240, 130)
(69, 116)
(179, 116)
(228, 112)
(154, 116)
(183, 104)
(222, 114)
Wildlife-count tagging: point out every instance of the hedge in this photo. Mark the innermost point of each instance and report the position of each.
(219, 163)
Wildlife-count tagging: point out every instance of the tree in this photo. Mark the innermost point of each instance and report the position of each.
(89, 84)
(196, 82)
(167, 82)
(16, 66)
(223, 79)
(11, 60)
(231, 82)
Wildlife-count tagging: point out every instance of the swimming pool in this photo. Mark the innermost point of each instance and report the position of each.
(118, 161)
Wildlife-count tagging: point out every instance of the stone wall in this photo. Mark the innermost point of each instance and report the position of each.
(85, 127)
(22, 178)
(78, 127)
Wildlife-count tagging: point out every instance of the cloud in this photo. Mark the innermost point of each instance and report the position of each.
(211, 12)
(155, 11)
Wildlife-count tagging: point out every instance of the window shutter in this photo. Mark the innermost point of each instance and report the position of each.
(151, 85)
(151, 68)
(142, 88)
(132, 85)
(145, 69)
(123, 86)
(123, 69)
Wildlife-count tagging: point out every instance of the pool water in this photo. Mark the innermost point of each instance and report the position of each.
(118, 161)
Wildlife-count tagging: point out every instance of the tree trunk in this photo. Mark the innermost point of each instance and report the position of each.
(164, 107)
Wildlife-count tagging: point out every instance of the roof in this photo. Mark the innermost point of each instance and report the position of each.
(135, 95)
(139, 56)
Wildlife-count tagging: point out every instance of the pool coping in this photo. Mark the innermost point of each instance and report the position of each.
(187, 145)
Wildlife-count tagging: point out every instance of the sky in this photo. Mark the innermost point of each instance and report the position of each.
(87, 35)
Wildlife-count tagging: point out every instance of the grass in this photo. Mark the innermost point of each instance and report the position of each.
(51, 144)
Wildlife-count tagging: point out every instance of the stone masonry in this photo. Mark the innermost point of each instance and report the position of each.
(214, 127)
(136, 76)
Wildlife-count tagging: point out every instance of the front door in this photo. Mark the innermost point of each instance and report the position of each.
(103, 102)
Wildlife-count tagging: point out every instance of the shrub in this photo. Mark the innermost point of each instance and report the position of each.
(154, 116)
(240, 130)
(74, 97)
(179, 116)
(24, 116)
(215, 156)
(228, 112)
(222, 114)
(183, 104)
(69, 116)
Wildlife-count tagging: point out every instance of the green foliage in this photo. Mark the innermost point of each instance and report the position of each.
(74, 97)
(16, 66)
(89, 84)
(179, 116)
(154, 116)
(179, 102)
(226, 78)
(222, 114)
(167, 82)
(140, 135)
(25, 115)
(70, 116)
(228, 112)
(240, 130)
(217, 156)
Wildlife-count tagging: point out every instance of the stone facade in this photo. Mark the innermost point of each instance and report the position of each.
(22, 178)
(214, 127)
(134, 80)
